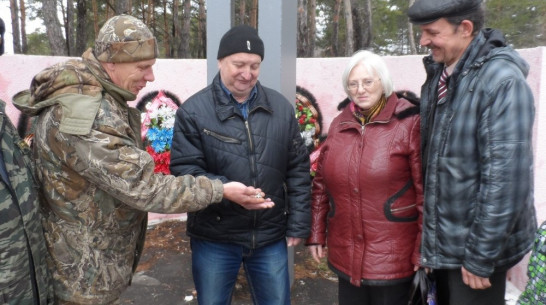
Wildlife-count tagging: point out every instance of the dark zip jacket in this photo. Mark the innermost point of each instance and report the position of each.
(212, 138)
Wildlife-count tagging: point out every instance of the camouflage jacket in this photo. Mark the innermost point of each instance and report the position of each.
(97, 181)
(24, 277)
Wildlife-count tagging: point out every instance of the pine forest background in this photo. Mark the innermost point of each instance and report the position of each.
(326, 28)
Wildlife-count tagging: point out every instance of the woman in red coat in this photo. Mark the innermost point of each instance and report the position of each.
(368, 193)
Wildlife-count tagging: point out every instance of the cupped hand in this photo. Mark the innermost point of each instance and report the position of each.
(248, 197)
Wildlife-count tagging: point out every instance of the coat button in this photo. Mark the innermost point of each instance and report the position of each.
(218, 218)
(355, 190)
(424, 260)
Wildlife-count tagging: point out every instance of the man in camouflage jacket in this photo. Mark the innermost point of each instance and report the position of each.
(97, 180)
(24, 277)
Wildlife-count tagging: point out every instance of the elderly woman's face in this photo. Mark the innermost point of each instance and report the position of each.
(365, 89)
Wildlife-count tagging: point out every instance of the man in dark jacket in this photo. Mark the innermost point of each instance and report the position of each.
(24, 276)
(477, 115)
(237, 130)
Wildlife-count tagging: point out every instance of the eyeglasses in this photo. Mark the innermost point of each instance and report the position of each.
(366, 84)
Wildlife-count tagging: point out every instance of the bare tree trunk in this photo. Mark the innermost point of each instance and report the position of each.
(242, 12)
(177, 28)
(335, 28)
(150, 19)
(349, 28)
(53, 28)
(15, 26)
(24, 46)
(69, 28)
(202, 32)
(303, 31)
(95, 17)
(362, 21)
(312, 23)
(168, 38)
(122, 7)
(411, 36)
(254, 14)
(108, 10)
(81, 26)
(184, 47)
(349, 43)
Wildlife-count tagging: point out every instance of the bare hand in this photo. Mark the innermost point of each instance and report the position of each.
(427, 269)
(248, 197)
(316, 251)
(293, 241)
(474, 281)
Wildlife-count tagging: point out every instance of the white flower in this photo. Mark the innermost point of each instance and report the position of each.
(166, 112)
(168, 123)
(307, 136)
(154, 113)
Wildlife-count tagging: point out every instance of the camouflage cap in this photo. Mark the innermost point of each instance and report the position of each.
(124, 38)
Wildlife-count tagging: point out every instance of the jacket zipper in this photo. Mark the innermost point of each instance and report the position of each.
(403, 208)
(221, 137)
(253, 174)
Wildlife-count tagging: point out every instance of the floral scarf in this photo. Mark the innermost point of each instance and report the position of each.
(366, 115)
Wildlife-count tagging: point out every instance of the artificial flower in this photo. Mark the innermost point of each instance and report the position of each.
(157, 130)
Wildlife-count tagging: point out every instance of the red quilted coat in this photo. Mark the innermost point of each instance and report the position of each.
(367, 195)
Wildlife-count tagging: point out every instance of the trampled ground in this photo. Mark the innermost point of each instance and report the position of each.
(164, 273)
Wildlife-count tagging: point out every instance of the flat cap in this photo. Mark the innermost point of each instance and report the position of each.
(428, 11)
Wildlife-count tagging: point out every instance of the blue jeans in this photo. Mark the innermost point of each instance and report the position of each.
(215, 267)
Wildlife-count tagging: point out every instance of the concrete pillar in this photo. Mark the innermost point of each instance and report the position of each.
(218, 22)
(277, 26)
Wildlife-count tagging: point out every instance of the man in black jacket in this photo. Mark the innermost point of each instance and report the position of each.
(237, 130)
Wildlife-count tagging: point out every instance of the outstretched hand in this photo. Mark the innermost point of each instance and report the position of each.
(248, 197)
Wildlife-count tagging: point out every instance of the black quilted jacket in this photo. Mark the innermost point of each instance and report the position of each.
(212, 138)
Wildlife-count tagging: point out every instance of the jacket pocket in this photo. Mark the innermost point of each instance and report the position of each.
(404, 213)
(221, 137)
